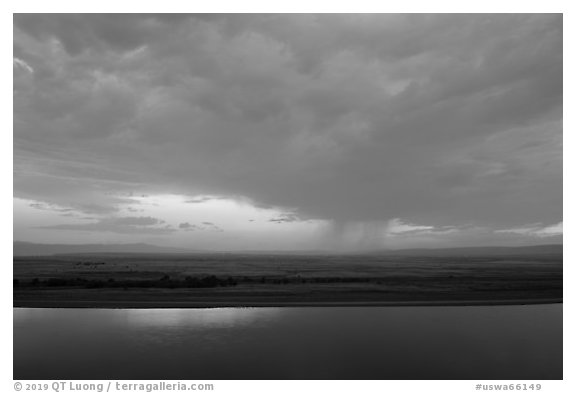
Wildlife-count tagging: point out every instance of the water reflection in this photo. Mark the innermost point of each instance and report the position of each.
(500, 342)
(206, 318)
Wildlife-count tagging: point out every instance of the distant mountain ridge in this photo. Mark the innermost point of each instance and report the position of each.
(31, 249)
(545, 249)
(38, 249)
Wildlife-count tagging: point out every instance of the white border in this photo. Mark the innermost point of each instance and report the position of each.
(246, 6)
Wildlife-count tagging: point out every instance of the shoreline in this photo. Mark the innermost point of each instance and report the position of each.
(146, 304)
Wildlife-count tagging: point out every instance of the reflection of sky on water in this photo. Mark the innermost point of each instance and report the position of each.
(196, 329)
(205, 318)
(143, 329)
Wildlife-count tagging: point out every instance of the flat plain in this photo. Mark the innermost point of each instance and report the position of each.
(208, 280)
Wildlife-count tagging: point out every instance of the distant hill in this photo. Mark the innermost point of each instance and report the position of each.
(479, 251)
(31, 249)
(547, 249)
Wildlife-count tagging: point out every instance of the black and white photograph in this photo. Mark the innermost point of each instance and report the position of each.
(288, 196)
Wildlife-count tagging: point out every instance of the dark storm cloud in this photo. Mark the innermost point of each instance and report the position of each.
(438, 119)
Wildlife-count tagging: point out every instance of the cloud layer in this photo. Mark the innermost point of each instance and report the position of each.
(442, 120)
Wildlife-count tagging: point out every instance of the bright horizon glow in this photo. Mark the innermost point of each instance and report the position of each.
(208, 222)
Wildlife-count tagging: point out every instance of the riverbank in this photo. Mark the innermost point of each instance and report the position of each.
(181, 299)
(180, 305)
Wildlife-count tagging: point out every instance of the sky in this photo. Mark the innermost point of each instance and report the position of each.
(288, 131)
